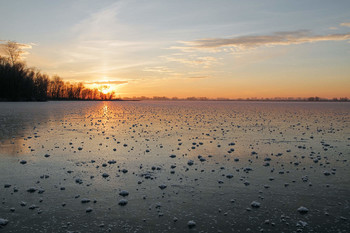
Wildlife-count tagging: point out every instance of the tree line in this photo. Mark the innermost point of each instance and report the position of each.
(60, 90)
(21, 83)
(275, 99)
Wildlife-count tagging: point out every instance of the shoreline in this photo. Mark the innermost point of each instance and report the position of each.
(181, 100)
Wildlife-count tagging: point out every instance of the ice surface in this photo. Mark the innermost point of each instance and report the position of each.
(227, 166)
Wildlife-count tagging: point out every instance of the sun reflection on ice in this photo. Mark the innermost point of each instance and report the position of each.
(105, 110)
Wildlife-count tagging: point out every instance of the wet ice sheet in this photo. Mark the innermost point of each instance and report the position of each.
(226, 166)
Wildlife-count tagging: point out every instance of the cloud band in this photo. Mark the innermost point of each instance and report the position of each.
(277, 38)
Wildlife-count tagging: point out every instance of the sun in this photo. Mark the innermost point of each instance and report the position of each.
(105, 89)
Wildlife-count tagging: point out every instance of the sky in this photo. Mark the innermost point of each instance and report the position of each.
(222, 48)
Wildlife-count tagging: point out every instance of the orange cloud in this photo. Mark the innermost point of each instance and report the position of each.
(198, 77)
(115, 82)
(206, 61)
(158, 69)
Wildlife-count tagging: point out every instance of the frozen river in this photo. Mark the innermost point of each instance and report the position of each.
(174, 167)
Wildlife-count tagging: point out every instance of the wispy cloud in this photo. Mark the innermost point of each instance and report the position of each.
(24, 47)
(100, 24)
(206, 61)
(114, 82)
(345, 24)
(20, 45)
(161, 72)
(253, 41)
(158, 69)
(198, 77)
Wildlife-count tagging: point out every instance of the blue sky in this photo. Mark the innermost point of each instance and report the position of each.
(188, 48)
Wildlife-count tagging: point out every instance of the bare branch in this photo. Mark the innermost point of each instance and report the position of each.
(13, 51)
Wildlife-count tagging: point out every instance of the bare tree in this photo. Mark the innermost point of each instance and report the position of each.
(13, 51)
(85, 94)
(110, 95)
(95, 94)
(77, 90)
(56, 89)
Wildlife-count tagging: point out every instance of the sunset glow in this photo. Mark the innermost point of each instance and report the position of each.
(164, 48)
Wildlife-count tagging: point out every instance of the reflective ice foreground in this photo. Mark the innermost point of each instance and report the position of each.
(174, 167)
